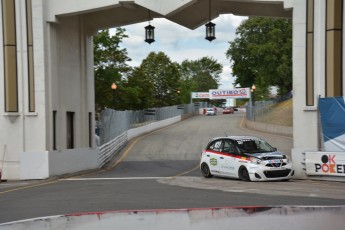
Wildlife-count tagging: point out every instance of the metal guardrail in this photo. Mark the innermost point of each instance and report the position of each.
(108, 150)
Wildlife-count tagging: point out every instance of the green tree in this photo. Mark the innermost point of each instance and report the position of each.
(138, 91)
(199, 76)
(164, 76)
(110, 64)
(261, 54)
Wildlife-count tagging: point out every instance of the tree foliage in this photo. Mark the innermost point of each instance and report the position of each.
(139, 90)
(199, 76)
(164, 76)
(156, 82)
(110, 64)
(261, 54)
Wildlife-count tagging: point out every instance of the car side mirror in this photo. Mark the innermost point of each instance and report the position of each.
(275, 149)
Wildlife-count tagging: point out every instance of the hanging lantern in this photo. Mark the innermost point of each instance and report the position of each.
(210, 27)
(210, 31)
(149, 34)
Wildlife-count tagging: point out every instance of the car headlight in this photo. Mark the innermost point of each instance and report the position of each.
(255, 160)
(287, 158)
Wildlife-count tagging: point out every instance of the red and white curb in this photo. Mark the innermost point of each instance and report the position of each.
(223, 218)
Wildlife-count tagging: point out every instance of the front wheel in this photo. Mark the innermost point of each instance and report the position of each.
(243, 174)
(205, 170)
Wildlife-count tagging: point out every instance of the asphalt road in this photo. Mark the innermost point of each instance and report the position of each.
(159, 171)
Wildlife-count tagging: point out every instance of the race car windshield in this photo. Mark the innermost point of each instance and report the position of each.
(254, 146)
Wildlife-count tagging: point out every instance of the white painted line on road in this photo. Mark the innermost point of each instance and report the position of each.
(118, 178)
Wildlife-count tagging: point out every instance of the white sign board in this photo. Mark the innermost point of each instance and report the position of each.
(229, 93)
(200, 95)
(325, 163)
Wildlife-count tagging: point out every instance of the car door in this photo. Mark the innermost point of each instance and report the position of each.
(213, 157)
(228, 159)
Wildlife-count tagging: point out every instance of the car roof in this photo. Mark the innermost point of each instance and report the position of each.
(237, 138)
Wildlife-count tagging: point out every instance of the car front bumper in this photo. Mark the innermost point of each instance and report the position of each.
(263, 173)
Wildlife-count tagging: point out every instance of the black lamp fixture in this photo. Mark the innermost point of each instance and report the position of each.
(149, 32)
(210, 27)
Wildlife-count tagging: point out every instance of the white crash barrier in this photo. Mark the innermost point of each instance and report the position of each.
(286, 217)
(132, 133)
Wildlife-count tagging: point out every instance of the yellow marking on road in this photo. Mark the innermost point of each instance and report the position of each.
(116, 178)
(124, 155)
(29, 186)
(186, 172)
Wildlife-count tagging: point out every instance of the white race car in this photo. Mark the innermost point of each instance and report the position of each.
(244, 157)
(211, 111)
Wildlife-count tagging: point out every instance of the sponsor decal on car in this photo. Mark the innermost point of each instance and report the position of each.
(228, 167)
(213, 161)
(243, 160)
(275, 161)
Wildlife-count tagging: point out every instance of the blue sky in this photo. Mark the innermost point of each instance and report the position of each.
(180, 43)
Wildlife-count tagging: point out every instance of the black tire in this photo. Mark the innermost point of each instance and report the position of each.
(205, 170)
(243, 174)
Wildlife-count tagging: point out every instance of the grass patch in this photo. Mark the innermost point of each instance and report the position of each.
(278, 114)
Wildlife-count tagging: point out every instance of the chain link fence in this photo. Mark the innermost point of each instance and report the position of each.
(261, 108)
(258, 109)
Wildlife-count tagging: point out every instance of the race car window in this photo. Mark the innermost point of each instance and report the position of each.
(254, 146)
(229, 147)
(264, 146)
(216, 146)
(247, 145)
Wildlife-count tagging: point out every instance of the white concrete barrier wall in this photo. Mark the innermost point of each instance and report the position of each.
(72, 160)
(269, 128)
(243, 218)
(34, 165)
(151, 127)
(42, 165)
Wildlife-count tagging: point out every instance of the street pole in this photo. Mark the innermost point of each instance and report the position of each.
(114, 87)
(253, 101)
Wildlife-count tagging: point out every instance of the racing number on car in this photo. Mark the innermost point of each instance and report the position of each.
(217, 144)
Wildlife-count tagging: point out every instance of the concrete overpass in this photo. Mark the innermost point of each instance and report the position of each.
(188, 13)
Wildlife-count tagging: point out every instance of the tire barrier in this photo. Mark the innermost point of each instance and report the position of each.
(244, 218)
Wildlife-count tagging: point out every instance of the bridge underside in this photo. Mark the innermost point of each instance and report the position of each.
(190, 13)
